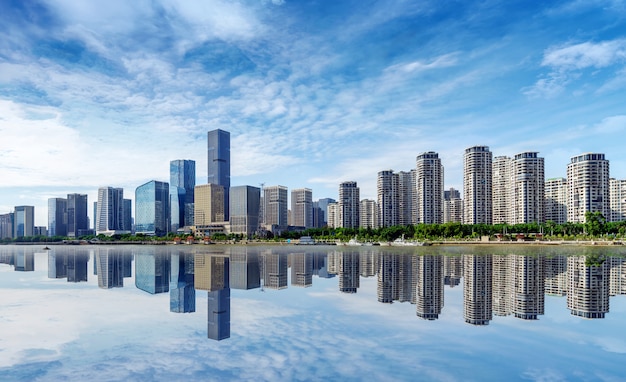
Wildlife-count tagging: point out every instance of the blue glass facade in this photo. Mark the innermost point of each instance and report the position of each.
(77, 219)
(219, 163)
(245, 202)
(57, 217)
(182, 291)
(182, 183)
(152, 272)
(152, 208)
(24, 221)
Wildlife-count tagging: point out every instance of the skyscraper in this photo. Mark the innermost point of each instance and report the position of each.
(6, 225)
(618, 200)
(152, 271)
(77, 219)
(152, 208)
(208, 206)
(182, 183)
(321, 214)
(429, 188)
(555, 196)
(477, 185)
(24, 223)
(219, 163)
(275, 208)
(182, 291)
(369, 214)
(349, 203)
(57, 217)
(528, 188)
(110, 211)
(452, 206)
(388, 192)
(302, 207)
(244, 208)
(588, 187)
(501, 190)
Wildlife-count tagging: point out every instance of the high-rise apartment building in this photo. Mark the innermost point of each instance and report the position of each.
(588, 186)
(208, 205)
(77, 219)
(452, 206)
(477, 191)
(333, 215)
(110, 211)
(555, 207)
(388, 192)
(6, 225)
(275, 210)
(527, 188)
(407, 197)
(24, 223)
(429, 188)
(501, 190)
(152, 208)
(57, 217)
(349, 202)
(245, 203)
(302, 207)
(617, 195)
(182, 183)
(219, 162)
(369, 214)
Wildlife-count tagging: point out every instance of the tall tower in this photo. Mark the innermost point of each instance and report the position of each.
(618, 200)
(429, 188)
(275, 208)
(528, 188)
(110, 210)
(24, 223)
(57, 217)
(349, 205)
(588, 186)
(302, 207)
(555, 207)
(368, 214)
(245, 203)
(219, 162)
(501, 189)
(77, 220)
(387, 187)
(182, 183)
(477, 185)
(152, 208)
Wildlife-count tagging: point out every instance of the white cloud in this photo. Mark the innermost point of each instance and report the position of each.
(585, 55)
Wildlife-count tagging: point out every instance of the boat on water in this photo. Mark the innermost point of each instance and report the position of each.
(354, 242)
(402, 242)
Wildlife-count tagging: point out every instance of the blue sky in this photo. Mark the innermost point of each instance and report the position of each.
(314, 93)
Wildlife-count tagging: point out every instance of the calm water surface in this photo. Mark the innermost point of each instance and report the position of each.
(108, 313)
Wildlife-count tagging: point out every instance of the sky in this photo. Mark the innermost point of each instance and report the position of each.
(51, 329)
(313, 93)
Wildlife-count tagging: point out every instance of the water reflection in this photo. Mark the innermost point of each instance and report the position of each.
(493, 284)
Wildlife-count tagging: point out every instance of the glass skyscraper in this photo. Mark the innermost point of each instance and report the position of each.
(57, 217)
(24, 221)
(219, 163)
(182, 183)
(245, 204)
(77, 220)
(110, 210)
(152, 208)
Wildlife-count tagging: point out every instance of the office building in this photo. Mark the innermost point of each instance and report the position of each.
(7, 225)
(302, 207)
(77, 219)
(587, 187)
(555, 207)
(182, 184)
(369, 214)
(275, 210)
(57, 217)
(452, 206)
(617, 195)
(320, 212)
(477, 191)
(219, 163)
(24, 223)
(429, 188)
(349, 202)
(244, 210)
(208, 207)
(110, 211)
(152, 208)
(127, 219)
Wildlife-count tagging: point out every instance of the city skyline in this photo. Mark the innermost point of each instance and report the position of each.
(92, 97)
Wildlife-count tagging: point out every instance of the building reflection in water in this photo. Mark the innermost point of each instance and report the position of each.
(429, 288)
(274, 270)
(348, 271)
(301, 269)
(477, 292)
(212, 274)
(152, 271)
(245, 271)
(24, 261)
(588, 287)
(182, 290)
(111, 265)
(71, 264)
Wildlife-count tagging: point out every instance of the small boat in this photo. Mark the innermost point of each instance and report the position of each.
(46, 248)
